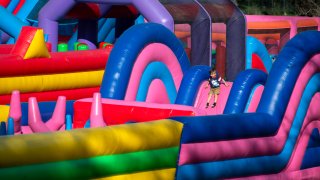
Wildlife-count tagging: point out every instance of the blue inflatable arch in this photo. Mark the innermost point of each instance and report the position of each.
(191, 83)
(156, 70)
(254, 46)
(126, 50)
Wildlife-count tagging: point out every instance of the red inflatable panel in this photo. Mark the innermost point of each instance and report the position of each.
(6, 48)
(257, 63)
(20, 4)
(221, 60)
(133, 10)
(4, 3)
(24, 40)
(114, 114)
(60, 62)
(71, 94)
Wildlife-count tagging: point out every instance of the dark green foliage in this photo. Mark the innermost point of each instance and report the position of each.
(280, 7)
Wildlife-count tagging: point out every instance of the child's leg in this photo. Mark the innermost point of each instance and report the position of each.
(215, 98)
(216, 94)
(209, 98)
(215, 101)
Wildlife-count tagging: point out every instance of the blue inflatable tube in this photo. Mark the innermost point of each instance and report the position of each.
(254, 46)
(111, 38)
(68, 122)
(255, 165)
(285, 72)
(12, 5)
(242, 88)
(10, 126)
(73, 40)
(191, 83)
(10, 24)
(26, 9)
(126, 50)
(3, 129)
(223, 127)
(251, 97)
(314, 140)
(11, 40)
(106, 29)
(156, 70)
(311, 158)
(139, 20)
(101, 22)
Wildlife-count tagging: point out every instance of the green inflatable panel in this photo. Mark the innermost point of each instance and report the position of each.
(96, 167)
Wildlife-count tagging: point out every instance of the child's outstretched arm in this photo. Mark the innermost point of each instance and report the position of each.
(225, 83)
(207, 84)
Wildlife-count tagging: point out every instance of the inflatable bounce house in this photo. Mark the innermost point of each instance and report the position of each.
(117, 89)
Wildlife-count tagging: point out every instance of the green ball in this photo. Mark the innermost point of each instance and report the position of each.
(62, 47)
(82, 47)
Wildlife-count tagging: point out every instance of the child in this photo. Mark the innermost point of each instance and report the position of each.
(214, 81)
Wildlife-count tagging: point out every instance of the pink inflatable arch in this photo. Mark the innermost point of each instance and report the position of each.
(153, 52)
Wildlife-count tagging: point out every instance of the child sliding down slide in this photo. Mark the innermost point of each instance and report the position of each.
(214, 81)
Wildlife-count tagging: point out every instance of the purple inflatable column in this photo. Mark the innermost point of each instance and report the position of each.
(56, 9)
(49, 16)
(155, 12)
(152, 10)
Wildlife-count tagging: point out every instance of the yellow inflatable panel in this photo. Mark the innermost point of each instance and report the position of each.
(51, 82)
(4, 113)
(84, 143)
(166, 174)
(37, 48)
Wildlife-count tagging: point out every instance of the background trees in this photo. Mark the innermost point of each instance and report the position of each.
(280, 7)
